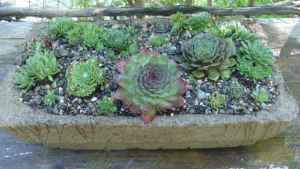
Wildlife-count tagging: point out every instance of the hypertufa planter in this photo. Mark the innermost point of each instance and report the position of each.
(115, 133)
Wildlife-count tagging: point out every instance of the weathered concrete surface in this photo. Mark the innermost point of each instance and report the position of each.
(178, 132)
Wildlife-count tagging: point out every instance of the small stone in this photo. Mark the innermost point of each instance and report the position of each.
(172, 114)
(94, 99)
(60, 91)
(201, 94)
(61, 100)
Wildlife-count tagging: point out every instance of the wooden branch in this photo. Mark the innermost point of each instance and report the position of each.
(139, 11)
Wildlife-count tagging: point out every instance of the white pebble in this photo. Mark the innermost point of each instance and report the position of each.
(172, 114)
(61, 100)
(94, 99)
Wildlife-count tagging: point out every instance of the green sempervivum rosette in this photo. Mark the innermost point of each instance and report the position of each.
(207, 54)
(84, 77)
(149, 84)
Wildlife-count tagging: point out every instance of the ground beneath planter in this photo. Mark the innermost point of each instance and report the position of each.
(281, 152)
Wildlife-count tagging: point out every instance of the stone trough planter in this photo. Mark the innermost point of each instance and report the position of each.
(116, 133)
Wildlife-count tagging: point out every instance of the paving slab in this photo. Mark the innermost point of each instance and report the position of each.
(14, 30)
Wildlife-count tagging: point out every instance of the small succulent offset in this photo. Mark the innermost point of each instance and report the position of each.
(178, 22)
(58, 28)
(84, 77)
(236, 89)
(234, 30)
(255, 61)
(201, 22)
(150, 83)
(51, 98)
(261, 95)
(23, 79)
(217, 101)
(74, 36)
(93, 36)
(118, 40)
(208, 54)
(42, 65)
(158, 40)
(106, 106)
(195, 24)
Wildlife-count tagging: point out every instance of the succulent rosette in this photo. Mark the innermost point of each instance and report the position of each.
(150, 83)
(208, 54)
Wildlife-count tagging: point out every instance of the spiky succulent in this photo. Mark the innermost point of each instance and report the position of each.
(84, 77)
(235, 89)
(118, 39)
(150, 83)
(261, 95)
(106, 106)
(208, 54)
(255, 60)
(234, 30)
(51, 98)
(41, 65)
(217, 100)
(58, 28)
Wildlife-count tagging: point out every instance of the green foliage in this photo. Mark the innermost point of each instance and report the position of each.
(106, 106)
(150, 83)
(181, 22)
(51, 98)
(234, 30)
(201, 22)
(83, 3)
(84, 77)
(118, 40)
(93, 36)
(74, 36)
(207, 53)
(58, 28)
(235, 89)
(42, 65)
(23, 79)
(89, 34)
(255, 60)
(158, 40)
(178, 22)
(261, 95)
(217, 100)
(239, 3)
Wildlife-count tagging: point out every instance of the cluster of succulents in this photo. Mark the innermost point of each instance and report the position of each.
(143, 81)
(150, 83)
(255, 61)
(84, 77)
(94, 37)
(181, 23)
(207, 54)
(59, 27)
(158, 40)
(42, 65)
(234, 30)
(118, 39)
